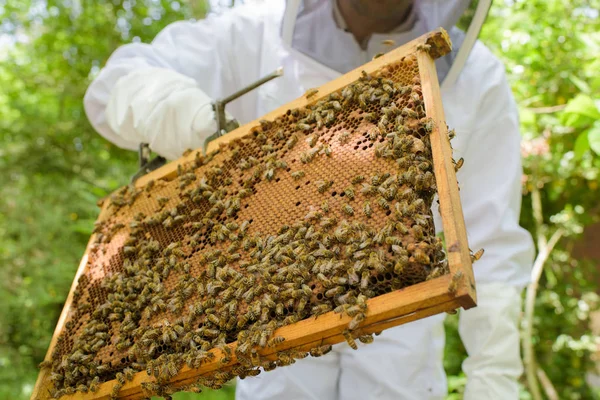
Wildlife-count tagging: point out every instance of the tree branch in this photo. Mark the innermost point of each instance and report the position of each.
(536, 204)
(538, 266)
(547, 385)
(547, 110)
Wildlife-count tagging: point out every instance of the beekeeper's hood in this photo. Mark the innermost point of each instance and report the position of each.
(337, 48)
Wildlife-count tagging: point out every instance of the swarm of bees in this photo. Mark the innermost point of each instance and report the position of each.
(194, 273)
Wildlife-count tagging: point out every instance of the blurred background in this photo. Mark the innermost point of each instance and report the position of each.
(54, 167)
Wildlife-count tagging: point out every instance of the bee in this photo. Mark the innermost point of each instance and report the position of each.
(347, 208)
(323, 185)
(162, 201)
(325, 206)
(291, 142)
(368, 211)
(312, 140)
(366, 339)
(328, 222)
(344, 138)
(94, 385)
(407, 112)
(279, 309)
(453, 285)
(349, 192)
(327, 150)
(320, 309)
(302, 127)
(459, 164)
(306, 157)
(320, 351)
(401, 263)
(114, 393)
(383, 203)
(311, 92)
(275, 341)
(477, 255)
(435, 273)
(336, 291)
(362, 101)
(388, 42)
(423, 47)
(350, 339)
(421, 257)
(313, 214)
(357, 179)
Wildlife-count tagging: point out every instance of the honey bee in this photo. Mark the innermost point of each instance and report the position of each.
(273, 342)
(344, 138)
(311, 92)
(477, 255)
(349, 191)
(459, 164)
(328, 222)
(423, 47)
(94, 385)
(114, 393)
(435, 273)
(383, 203)
(303, 127)
(347, 208)
(297, 174)
(312, 140)
(451, 134)
(320, 351)
(323, 185)
(320, 309)
(366, 339)
(453, 285)
(350, 339)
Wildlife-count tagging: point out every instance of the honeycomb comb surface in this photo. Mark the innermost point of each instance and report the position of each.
(277, 207)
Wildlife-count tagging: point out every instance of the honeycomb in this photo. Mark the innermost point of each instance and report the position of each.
(316, 211)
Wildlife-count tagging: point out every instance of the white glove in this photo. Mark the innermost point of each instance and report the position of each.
(160, 107)
(490, 333)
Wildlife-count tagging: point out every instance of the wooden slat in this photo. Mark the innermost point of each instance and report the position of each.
(453, 221)
(383, 312)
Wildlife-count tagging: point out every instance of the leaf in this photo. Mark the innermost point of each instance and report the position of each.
(594, 137)
(580, 110)
(582, 144)
(580, 83)
(526, 117)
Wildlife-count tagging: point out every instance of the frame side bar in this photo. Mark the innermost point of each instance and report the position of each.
(453, 221)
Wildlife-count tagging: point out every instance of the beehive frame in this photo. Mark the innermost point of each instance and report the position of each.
(384, 311)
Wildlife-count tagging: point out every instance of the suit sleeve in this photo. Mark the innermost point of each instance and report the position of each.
(161, 93)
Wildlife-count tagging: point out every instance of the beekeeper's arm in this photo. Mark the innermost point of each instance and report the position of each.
(161, 93)
(490, 183)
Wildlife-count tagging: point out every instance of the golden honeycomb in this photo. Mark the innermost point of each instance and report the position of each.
(318, 210)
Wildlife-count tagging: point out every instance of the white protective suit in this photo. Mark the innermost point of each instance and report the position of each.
(160, 93)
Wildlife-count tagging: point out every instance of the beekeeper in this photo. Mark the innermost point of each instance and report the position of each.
(161, 94)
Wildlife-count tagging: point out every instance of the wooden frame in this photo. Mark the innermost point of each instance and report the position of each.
(385, 311)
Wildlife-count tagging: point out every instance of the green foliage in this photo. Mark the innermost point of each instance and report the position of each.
(550, 49)
(54, 166)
